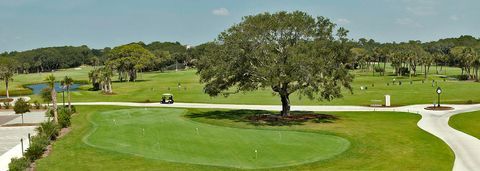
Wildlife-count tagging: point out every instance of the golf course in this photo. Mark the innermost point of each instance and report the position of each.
(149, 138)
(230, 85)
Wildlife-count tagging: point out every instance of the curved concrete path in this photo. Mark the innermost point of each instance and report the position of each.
(465, 147)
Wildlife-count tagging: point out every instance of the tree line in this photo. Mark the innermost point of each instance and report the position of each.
(47, 59)
(407, 58)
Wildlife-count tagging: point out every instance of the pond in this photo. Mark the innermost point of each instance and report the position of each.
(37, 88)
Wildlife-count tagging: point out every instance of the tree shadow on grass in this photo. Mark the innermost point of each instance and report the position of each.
(265, 118)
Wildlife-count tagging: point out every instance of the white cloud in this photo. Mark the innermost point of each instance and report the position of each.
(421, 7)
(221, 12)
(408, 22)
(421, 10)
(454, 17)
(343, 21)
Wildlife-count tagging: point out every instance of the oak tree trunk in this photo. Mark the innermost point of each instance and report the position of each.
(285, 105)
(6, 88)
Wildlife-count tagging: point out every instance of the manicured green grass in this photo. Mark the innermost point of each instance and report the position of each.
(378, 141)
(467, 122)
(164, 134)
(151, 85)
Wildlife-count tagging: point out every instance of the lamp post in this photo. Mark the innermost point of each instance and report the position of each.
(439, 91)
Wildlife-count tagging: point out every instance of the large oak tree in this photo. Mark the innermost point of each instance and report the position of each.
(287, 51)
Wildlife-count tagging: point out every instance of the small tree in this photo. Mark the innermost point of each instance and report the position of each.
(21, 107)
(46, 96)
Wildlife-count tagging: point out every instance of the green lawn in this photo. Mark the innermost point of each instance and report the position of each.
(467, 122)
(112, 138)
(152, 84)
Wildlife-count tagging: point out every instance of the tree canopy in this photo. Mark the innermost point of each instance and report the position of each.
(129, 59)
(286, 51)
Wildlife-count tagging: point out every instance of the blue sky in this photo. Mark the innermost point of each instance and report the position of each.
(27, 24)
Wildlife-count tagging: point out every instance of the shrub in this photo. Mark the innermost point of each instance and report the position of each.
(470, 102)
(65, 109)
(74, 110)
(37, 147)
(64, 118)
(463, 77)
(7, 105)
(21, 106)
(49, 113)
(48, 129)
(37, 104)
(378, 69)
(403, 70)
(18, 164)
(45, 94)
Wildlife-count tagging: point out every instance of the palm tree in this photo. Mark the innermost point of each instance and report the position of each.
(7, 68)
(107, 75)
(6, 75)
(51, 83)
(67, 82)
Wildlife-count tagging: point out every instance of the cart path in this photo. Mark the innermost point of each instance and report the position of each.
(465, 147)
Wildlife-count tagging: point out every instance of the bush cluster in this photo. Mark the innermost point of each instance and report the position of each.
(46, 133)
(7, 105)
(463, 77)
(64, 115)
(403, 70)
(36, 104)
(379, 69)
(18, 164)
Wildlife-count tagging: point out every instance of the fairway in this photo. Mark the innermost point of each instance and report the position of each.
(166, 135)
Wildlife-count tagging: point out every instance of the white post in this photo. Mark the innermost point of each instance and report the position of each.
(387, 100)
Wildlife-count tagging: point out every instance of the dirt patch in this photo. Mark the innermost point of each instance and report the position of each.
(439, 108)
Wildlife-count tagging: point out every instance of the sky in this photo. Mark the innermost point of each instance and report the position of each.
(28, 24)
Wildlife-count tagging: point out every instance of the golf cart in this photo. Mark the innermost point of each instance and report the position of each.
(167, 98)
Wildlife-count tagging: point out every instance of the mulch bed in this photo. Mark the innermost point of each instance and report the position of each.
(20, 124)
(31, 110)
(6, 100)
(293, 117)
(439, 108)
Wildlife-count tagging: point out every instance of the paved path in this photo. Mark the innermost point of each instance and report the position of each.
(465, 147)
(10, 136)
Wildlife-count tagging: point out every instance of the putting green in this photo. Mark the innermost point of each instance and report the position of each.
(165, 135)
